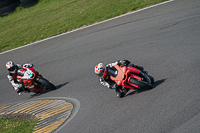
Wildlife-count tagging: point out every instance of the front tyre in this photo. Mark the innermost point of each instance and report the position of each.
(141, 84)
(151, 78)
(45, 84)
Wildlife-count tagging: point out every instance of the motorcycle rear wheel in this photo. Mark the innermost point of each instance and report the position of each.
(141, 84)
(45, 84)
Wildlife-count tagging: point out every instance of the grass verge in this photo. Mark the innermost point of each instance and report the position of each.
(8, 125)
(52, 17)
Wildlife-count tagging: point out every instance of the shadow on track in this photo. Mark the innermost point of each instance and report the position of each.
(156, 83)
(47, 91)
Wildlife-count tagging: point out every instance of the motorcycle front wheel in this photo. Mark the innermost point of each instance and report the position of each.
(151, 78)
(141, 84)
(45, 84)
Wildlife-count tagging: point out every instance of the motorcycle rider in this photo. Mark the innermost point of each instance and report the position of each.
(12, 69)
(104, 78)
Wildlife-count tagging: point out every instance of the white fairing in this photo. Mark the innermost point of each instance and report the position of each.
(28, 74)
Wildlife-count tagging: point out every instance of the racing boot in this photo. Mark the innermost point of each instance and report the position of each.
(26, 90)
(125, 90)
(19, 90)
(119, 93)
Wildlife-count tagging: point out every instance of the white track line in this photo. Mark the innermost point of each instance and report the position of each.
(88, 26)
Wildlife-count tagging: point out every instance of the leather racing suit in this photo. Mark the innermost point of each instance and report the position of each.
(12, 77)
(111, 84)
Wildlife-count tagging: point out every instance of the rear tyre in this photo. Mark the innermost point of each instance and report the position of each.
(45, 84)
(141, 84)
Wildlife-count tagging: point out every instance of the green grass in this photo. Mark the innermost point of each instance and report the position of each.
(52, 17)
(8, 125)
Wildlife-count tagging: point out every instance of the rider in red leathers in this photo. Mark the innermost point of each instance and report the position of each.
(12, 75)
(104, 78)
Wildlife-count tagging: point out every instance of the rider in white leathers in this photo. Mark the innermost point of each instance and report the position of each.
(12, 70)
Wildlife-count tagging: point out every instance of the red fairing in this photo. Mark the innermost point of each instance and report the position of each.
(132, 70)
(124, 74)
(36, 89)
(27, 75)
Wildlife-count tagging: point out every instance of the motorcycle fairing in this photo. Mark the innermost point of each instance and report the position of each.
(119, 77)
(122, 79)
(28, 74)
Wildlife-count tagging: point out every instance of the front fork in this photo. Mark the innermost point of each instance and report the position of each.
(37, 78)
(38, 87)
(146, 78)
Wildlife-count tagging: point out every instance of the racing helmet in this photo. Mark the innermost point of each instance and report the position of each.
(100, 70)
(11, 67)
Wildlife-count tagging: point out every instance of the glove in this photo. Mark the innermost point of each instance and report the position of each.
(123, 62)
(101, 79)
(26, 90)
(28, 65)
(130, 65)
(18, 88)
(104, 83)
(139, 67)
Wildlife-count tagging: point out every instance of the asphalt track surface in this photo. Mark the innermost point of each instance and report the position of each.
(164, 40)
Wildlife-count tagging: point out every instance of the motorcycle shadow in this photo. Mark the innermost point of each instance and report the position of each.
(156, 83)
(47, 91)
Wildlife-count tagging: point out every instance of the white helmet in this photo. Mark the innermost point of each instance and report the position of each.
(11, 67)
(100, 70)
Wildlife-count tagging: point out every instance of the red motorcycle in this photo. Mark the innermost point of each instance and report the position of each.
(130, 77)
(32, 81)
